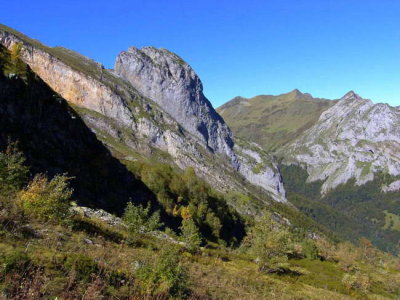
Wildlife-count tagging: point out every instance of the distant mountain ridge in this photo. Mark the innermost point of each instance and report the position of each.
(339, 159)
(273, 121)
(355, 138)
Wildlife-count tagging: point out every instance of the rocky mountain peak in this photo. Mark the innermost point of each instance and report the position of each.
(355, 138)
(351, 95)
(169, 81)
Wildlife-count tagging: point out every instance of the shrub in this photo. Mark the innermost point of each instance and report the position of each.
(357, 281)
(138, 218)
(309, 249)
(83, 265)
(14, 262)
(347, 255)
(270, 243)
(47, 200)
(13, 172)
(165, 275)
(190, 235)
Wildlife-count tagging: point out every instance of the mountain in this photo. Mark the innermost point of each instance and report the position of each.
(339, 159)
(55, 140)
(272, 121)
(135, 116)
(74, 134)
(353, 139)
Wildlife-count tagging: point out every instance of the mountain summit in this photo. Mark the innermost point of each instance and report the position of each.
(272, 121)
(152, 103)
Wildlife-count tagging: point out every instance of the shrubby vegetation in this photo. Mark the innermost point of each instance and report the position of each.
(89, 259)
(139, 220)
(164, 275)
(13, 172)
(47, 200)
(190, 235)
(350, 211)
(184, 196)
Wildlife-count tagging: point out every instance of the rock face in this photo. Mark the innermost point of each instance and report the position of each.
(55, 140)
(170, 82)
(353, 139)
(162, 110)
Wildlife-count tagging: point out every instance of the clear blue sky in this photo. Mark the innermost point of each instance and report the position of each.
(242, 48)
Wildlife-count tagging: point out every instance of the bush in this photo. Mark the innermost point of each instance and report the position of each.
(270, 243)
(347, 255)
(357, 281)
(83, 266)
(165, 275)
(47, 200)
(138, 219)
(190, 235)
(15, 262)
(13, 172)
(309, 249)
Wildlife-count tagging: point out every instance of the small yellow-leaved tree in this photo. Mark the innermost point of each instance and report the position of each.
(47, 200)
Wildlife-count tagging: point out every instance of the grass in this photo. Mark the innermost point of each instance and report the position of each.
(89, 252)
(272, 121)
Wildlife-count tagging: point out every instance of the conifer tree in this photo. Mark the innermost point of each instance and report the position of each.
(14, 66)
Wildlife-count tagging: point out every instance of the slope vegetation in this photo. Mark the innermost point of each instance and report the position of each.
(272, 121)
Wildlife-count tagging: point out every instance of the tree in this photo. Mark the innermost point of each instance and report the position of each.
(190, 235)
(14, 66)
(13, 172)
(47, 200)
(138, 219)
(270, 243)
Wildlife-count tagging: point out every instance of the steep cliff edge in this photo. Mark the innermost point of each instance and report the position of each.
(55, 140)
(121, 115)
(170, 82)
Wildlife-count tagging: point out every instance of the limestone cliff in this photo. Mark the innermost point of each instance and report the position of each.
(353, 139)
(121, 114)
(169, 81)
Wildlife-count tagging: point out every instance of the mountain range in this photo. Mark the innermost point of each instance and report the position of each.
(344, 147)
(144, 135)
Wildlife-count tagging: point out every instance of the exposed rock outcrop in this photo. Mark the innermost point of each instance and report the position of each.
(170, 82)
(353, 139)
(120, 112)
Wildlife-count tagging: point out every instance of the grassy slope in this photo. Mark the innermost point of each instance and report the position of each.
(271, 121)
(220, 274)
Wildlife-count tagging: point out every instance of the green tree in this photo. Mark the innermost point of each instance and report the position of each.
(47, 200)
(14, 66)
(190, 235)
(270, 243)
(165, 275)
(139, 219)
(13, 172)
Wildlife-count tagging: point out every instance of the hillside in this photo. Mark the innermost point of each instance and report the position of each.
(133, 124)
(272, 121)
(339, 159)
(105, 195)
